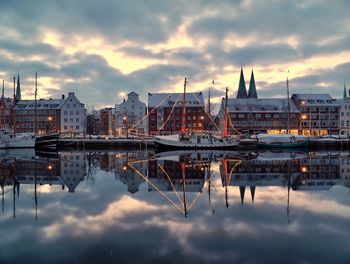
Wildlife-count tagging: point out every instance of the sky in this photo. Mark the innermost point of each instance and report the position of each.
(101, 50)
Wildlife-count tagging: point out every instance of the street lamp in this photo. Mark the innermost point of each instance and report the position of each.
(125, 120)
(303, 117)
(49, 119)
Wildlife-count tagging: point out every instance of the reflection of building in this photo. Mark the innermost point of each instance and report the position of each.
(68, 171)
(344, 169)
(167, 174)
(130, 115)
(165, 112)
(73, 169)
(127, 175)
(319, 114)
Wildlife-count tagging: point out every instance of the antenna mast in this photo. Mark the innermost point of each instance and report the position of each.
(288, 105)
(183, 125)
(35, 95)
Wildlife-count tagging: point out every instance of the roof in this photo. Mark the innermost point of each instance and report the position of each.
(270, 105)
(168, 99)
(40, 104)
(316, 99)
(242, 91)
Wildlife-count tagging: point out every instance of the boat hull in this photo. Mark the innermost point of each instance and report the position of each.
(303, 144)
(164, 144)
(19, 143)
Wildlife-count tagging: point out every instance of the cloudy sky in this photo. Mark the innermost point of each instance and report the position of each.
(102, 50)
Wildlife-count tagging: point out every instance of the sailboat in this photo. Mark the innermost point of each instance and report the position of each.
(9, 138)
(196, 140)
(282, 140)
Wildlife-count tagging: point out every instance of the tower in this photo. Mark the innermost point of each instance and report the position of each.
(252, 88)
(242, 91)
(18, 89)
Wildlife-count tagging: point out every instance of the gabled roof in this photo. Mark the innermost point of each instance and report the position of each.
(316, 99)
(168, 100)
(255, 105)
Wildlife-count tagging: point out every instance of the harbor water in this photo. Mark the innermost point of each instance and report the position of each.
(131, 206)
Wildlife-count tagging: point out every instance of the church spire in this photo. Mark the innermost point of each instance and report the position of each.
(252, 88)
(344, 92)
(242, 90)
(18, 90)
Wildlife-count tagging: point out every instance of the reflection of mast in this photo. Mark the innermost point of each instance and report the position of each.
(35, 192)
(226, 182)
(3, 198)
(289, 182)
(184, 187)
(14, 188)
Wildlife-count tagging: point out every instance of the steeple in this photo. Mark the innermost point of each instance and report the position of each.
(3, 89)
(18, 89)
(252, 88)
(344, 92)
(242, 91)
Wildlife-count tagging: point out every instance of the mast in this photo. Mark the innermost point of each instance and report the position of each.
(183, 125)
(226, 182)
(225, 117)
(35, 112)
(14, 107)
(288, 109)
(209, 110)
(3, 105)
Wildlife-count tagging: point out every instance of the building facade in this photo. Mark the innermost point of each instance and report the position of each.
(165, 113)
(52, 115)
(73, 115)
(6, 105)
(319, 114)
(107, 121)
(48, 116)
(253, 116)
(130, 115)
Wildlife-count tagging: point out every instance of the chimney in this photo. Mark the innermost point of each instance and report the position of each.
(349, 92)
(124, 100)
(62, 96)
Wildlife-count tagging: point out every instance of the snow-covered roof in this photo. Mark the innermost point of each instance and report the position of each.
(257, 105)
(168, 99)
(316, 99)
(40, 104)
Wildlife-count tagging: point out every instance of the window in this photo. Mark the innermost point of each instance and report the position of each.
(77, 127)
(66, 120)
(77, 120)
(65, 127)
(77, 112)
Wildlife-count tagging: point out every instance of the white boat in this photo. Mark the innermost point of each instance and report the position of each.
(196, 140)
(8, 139)
(281, 141)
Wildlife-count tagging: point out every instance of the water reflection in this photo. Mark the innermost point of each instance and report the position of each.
(103, 201)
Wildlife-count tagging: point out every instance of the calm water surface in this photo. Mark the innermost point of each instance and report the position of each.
(175, 207)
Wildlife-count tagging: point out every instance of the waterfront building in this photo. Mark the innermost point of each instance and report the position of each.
(130, 115)
(249, 114)
(52, 115)
(106, 121)
(93, 122)
(48, 115)
(5, 111)
(165, 112)
(73, 115)
(344, 114)
(319, 114)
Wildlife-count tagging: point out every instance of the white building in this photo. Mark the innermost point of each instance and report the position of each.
(130, 115)
(73, 115)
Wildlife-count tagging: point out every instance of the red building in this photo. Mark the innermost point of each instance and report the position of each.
(5, 112)
(165, 113)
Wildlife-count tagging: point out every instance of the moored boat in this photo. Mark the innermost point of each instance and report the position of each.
(281, 141)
